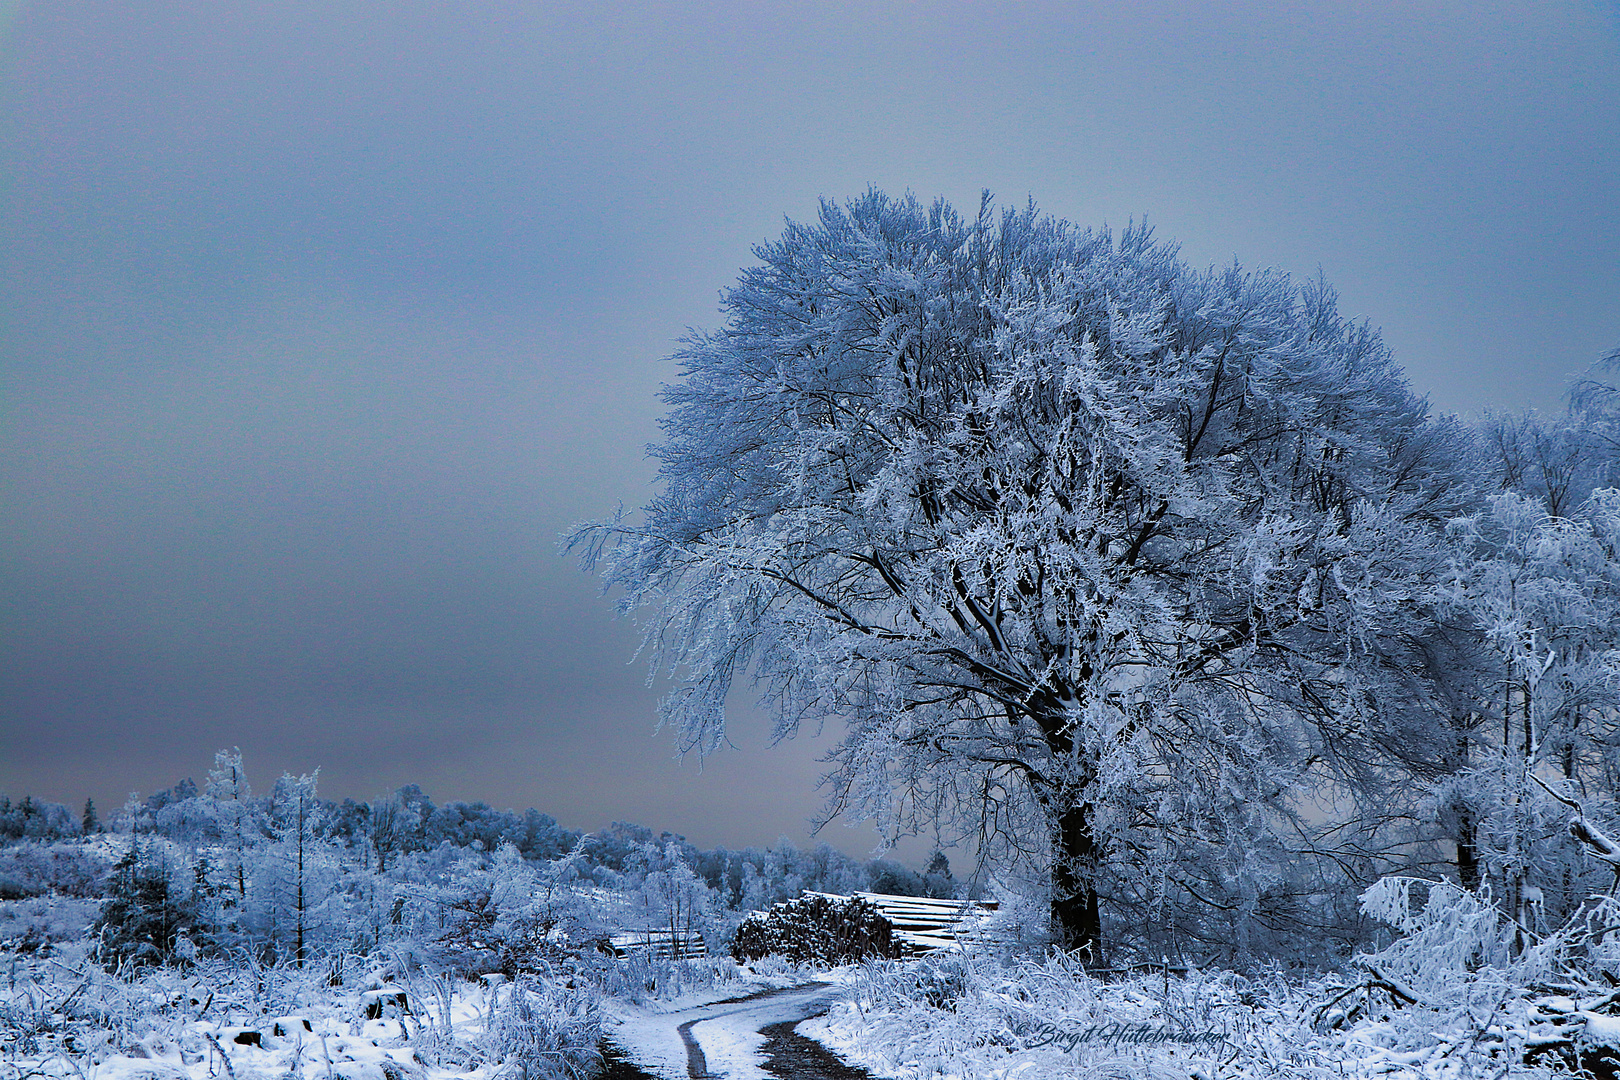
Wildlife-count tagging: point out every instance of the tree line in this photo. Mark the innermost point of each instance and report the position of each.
(290, 876)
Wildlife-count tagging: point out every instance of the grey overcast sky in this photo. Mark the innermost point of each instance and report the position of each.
(319, 322)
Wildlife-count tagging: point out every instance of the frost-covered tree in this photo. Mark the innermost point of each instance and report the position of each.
(505, 913)
(1080, 543)
(31, 819)
(1555, 462)
(292, 889)
(389, 830)
(1594, 403)
(236, 817)
(1533, 678)
(1543, 592)
(146, 919)
(674, 897)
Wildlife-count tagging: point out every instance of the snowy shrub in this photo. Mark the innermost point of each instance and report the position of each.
(1446, 933)
(1590, 941)
(1455, 987)
(642, 977)
(777, 966)
(937, 981)
(33, 869)
(508, 915)
(40, 924)
(816, 928)
(541, 1030)
(976, 1014)
(147, 920)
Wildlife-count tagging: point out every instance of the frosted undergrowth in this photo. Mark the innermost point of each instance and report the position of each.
(1460, 992)
(986, 1017)
(383, 1017)
(989, 1018)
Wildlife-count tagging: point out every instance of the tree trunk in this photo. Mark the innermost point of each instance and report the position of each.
(302, 824)
(1075, 914)
(1467, 851)
(1466, 838)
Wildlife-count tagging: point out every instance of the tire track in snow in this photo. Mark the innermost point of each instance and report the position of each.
(759, 1013)
(697, 1066)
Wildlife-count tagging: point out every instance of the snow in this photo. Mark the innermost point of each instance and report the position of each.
(193, 1055)
(1004, 1019)
(1601, 1030)
(725, 1028)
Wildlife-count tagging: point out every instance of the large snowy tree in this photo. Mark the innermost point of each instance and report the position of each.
(1080, 543)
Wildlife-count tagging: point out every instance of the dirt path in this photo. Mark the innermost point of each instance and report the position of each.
(792, 1056)
(727, 1039)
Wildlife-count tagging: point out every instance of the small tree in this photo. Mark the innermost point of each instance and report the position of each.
(386, 830)
(937, 879)
(291, 887)
(146, 920)
(676, 898)
(236, 818)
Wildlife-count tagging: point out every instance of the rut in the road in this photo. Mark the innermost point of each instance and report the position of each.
(787, 1054)
(697, 1066)
(792, 1056)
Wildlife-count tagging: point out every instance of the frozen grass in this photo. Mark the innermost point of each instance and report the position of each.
(641, 979)
(41, 925)
(980, 1015)
(543, 1030)
(1459, 993)
(61, 1017)
(994, 1017)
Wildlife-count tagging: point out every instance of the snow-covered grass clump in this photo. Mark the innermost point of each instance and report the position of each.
(985, 1016)
(1460, 992)
(643, 979)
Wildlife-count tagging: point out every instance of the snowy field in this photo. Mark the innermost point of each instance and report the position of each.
(63, 1017)
(150, 959)
(1410, 1010)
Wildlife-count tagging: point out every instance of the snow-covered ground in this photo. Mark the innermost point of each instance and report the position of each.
(979, 1018)
(1451, 997)
(62, 1018)
(74, 1021)
(718, 1038)
(983, 1018)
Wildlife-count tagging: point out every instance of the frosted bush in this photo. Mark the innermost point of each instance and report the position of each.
(780, 967)
(31, 869)
(936, 981)
(1450, 995)
(42, 924)
(641, 977)
(1446, 933)
(974, 1014)
(544, 1031)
